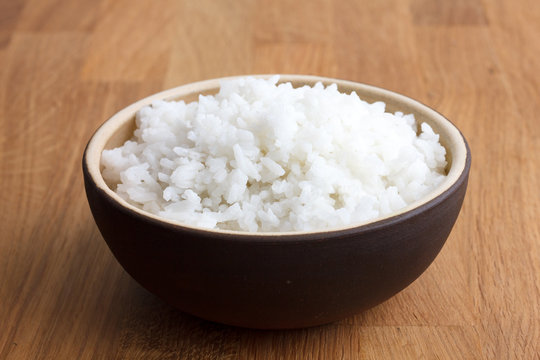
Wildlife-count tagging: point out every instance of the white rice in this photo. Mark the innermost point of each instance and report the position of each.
(265, 157)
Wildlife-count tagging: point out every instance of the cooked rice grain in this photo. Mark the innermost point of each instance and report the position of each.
(265, 157)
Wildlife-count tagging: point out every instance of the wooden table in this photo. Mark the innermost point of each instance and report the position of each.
(65, 66)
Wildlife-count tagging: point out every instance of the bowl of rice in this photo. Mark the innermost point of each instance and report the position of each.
(276, 202)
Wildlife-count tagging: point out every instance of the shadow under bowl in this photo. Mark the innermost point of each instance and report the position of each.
(277, 280)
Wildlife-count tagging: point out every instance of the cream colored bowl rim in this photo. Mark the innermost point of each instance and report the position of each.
(97, 143)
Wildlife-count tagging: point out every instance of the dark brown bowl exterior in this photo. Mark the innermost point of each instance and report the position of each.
(273, 281)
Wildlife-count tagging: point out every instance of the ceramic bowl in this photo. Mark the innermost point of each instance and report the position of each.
(277, 280)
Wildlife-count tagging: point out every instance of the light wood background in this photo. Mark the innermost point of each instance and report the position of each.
(67, 65)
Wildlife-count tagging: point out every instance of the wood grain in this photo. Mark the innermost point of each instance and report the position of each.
(65, 66)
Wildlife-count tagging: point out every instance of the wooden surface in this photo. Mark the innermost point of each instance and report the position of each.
(65, 66)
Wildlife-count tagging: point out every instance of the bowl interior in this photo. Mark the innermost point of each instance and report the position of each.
(120, 127)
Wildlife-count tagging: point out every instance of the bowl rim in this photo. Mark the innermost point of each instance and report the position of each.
(457, 173)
